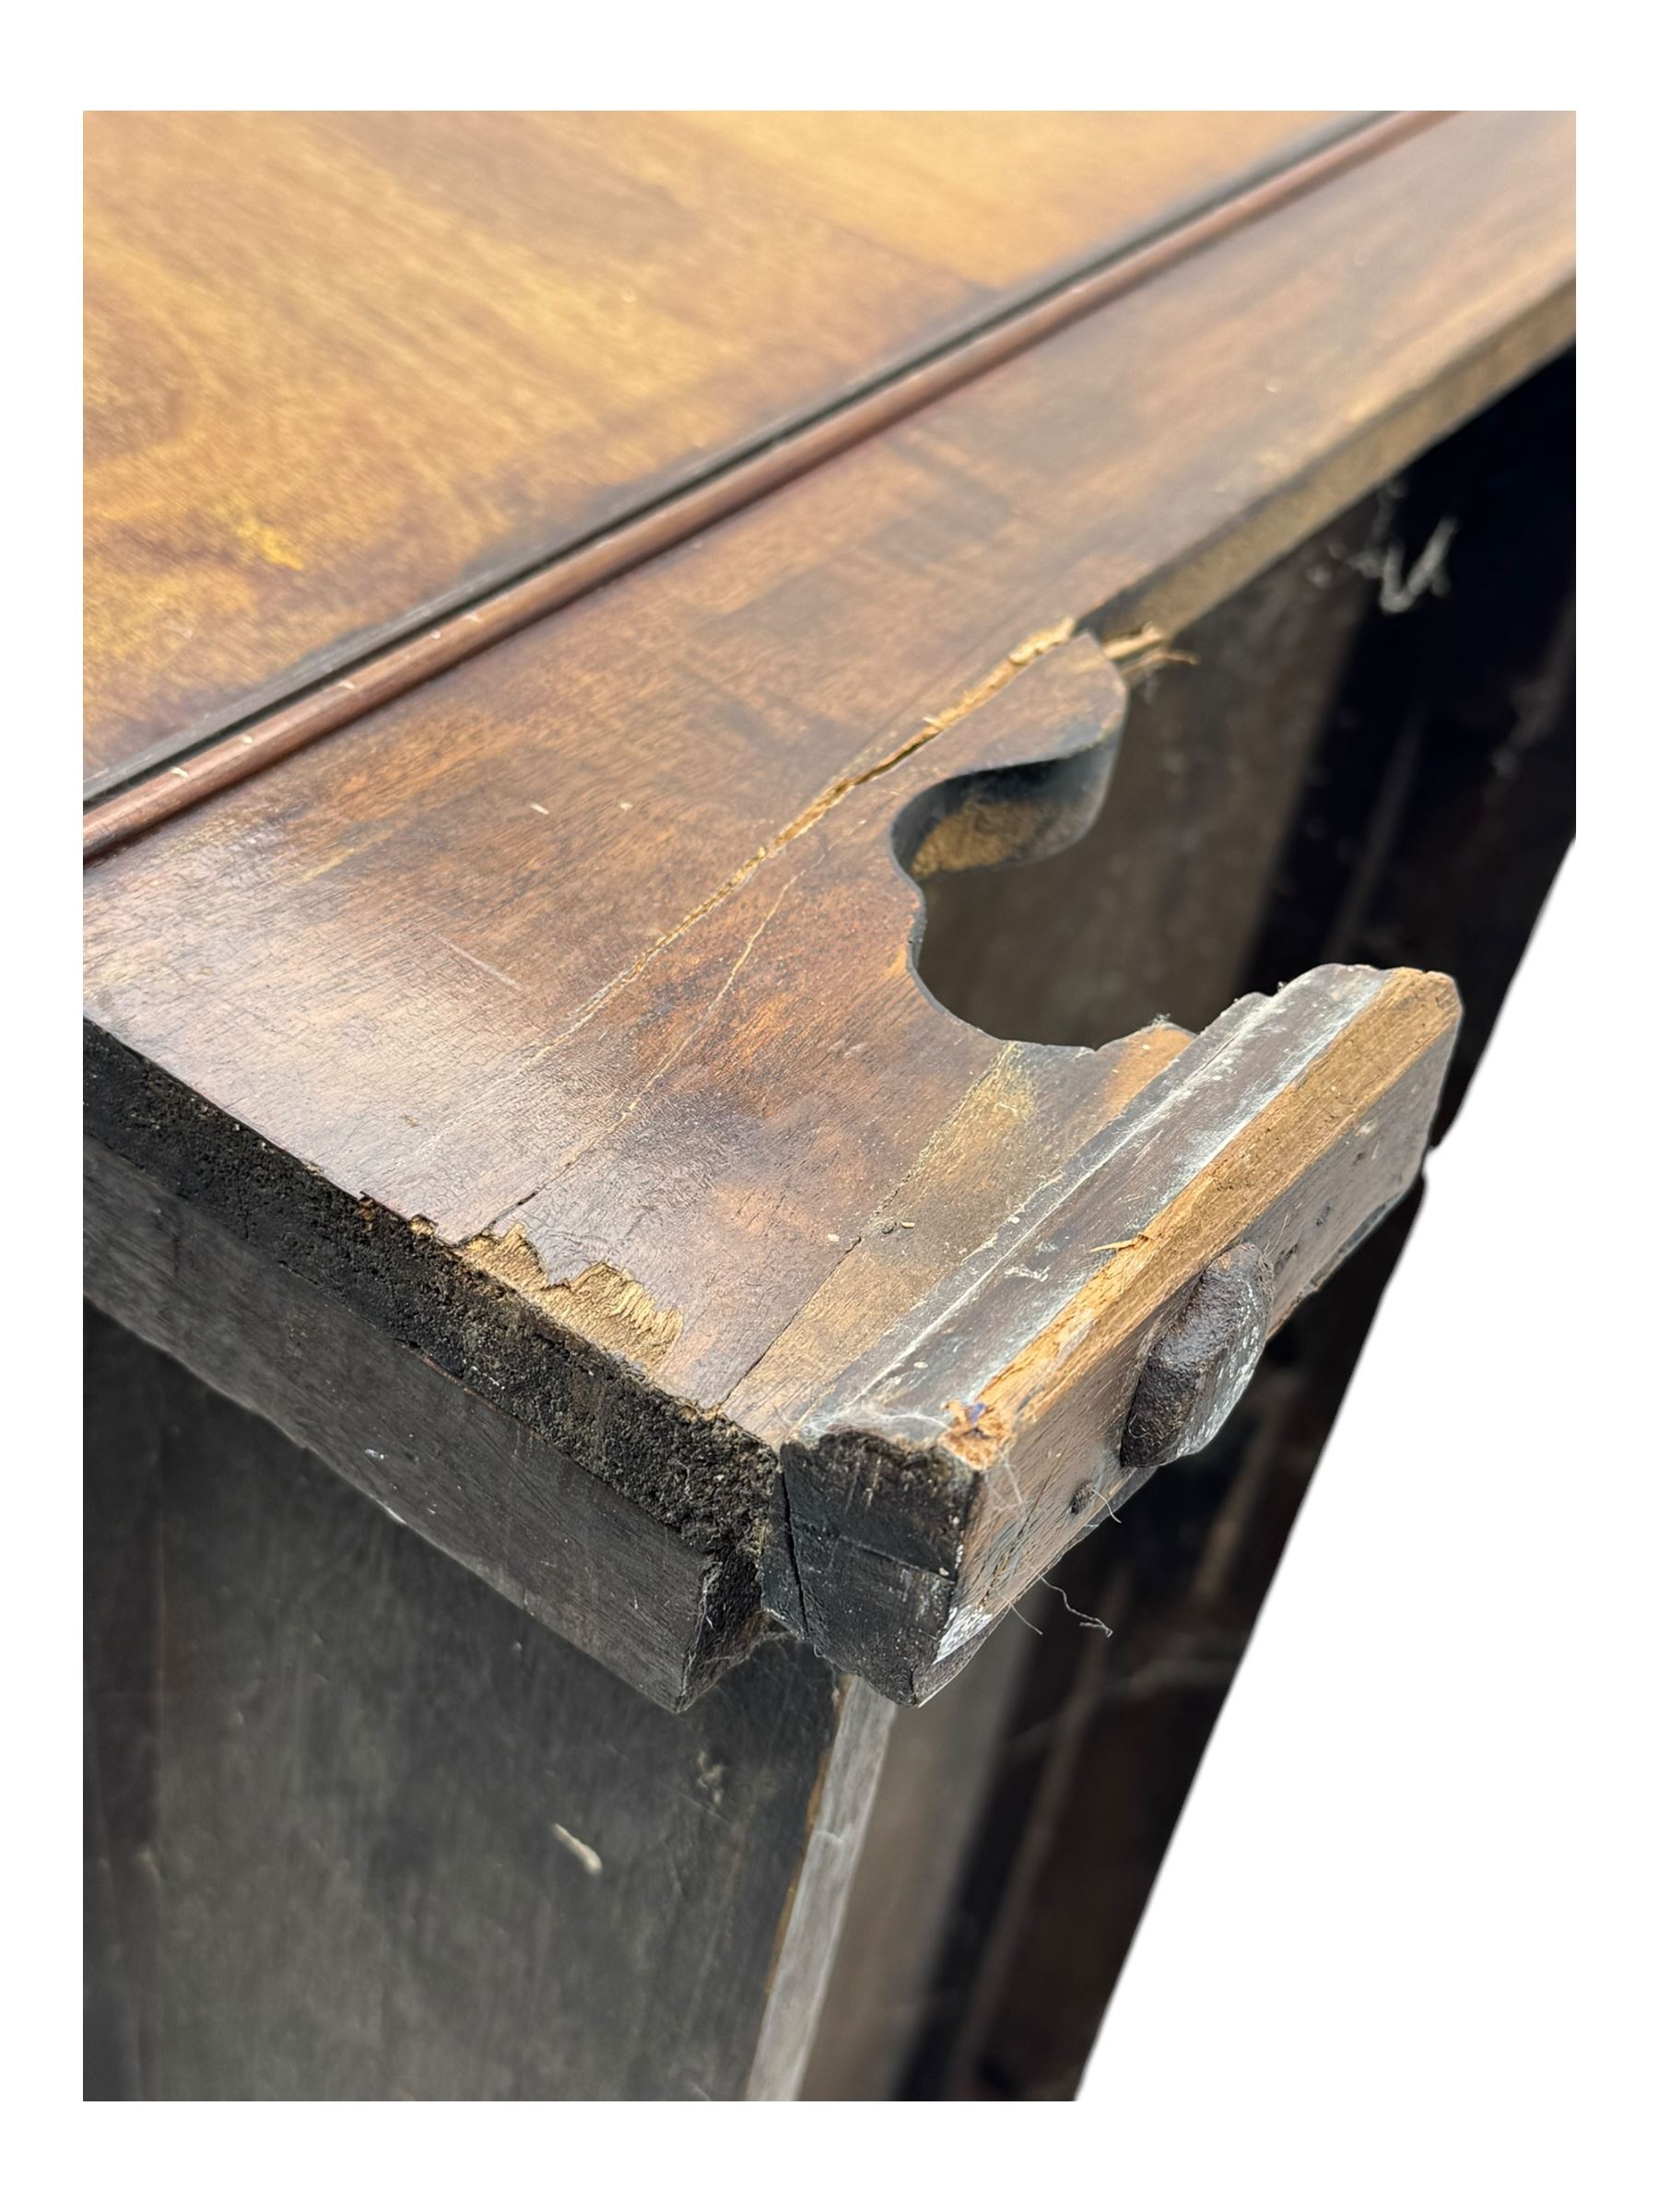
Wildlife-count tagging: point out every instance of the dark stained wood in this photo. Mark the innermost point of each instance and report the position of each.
(1154, 909)
(1198, 1369)
(395, 1840)
(940, 1475)
(525, 1097)
(347, 370)
(121, 1717)
(1453, 760)
(586, 967)
(1446, 759)
(1104, 1743)
(838, 1814)
(662, 1611)
(1152, 912)
(901, 1911)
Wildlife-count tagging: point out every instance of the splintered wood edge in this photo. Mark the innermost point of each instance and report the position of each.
(912, 1504)
(916, 1493)
(597, 1400)
(1408, 1014)
(921, 1503)
(600, 1333)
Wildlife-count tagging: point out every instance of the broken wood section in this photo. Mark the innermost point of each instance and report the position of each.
(934, 1373)
(940, 1476)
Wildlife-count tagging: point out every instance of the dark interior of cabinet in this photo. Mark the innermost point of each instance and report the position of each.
(1368, 759)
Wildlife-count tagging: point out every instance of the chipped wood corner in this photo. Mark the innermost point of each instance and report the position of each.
(600, 1304)
(940, 1476)
(922, 1489)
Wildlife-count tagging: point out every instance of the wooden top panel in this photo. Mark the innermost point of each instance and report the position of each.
(424, 954)
(588, 965)
(344, 370)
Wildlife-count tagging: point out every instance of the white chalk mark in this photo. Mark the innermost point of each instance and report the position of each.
(461, 953)
(584, 1851)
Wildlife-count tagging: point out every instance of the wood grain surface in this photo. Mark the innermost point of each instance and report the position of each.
(344, 371)
(580, 979)
(360, 1831)
(664, 1612)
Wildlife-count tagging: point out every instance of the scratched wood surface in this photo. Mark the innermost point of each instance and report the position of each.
(346, 369)
(1445, 757)
(587, 967)
(1126, 922)
(359, 1829)
(659, 1607)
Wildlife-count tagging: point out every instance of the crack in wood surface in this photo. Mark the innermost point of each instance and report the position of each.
(1021, 657)
(978, 694)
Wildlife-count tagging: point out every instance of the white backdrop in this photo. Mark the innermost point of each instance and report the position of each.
(1391, 1954)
